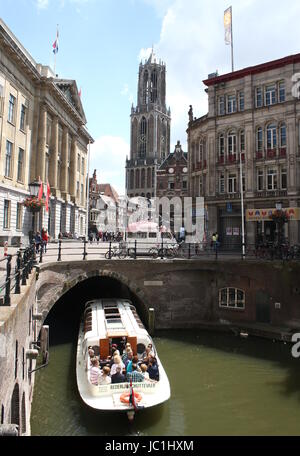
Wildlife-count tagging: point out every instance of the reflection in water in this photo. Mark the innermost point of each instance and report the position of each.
(220, 385)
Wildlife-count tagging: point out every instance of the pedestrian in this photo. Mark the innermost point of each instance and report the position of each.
(182, 234)
(44, 240)
(38, 241)
(97, 238)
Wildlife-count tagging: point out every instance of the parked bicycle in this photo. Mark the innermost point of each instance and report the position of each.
(116, 252)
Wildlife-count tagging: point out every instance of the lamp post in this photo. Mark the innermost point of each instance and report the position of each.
(34, 188)
(242, 208)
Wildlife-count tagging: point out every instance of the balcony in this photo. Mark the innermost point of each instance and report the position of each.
(221, 160)
(259, 155)
(231, 159)
(271, 153)
(282, 152)
(271, 194)
(243, 156)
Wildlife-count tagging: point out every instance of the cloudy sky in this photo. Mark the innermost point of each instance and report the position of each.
(103, 41)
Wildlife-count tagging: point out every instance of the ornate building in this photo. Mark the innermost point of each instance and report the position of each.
(43, 136)
(253, 115)
(150, 130)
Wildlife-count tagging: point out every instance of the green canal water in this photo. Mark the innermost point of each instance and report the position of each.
(220, 385)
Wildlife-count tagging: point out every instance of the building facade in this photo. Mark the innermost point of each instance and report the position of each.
(253, 118)
(43, 137)
(150, 130)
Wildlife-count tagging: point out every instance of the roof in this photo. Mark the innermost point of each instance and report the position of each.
(108, 190)
(292, 59)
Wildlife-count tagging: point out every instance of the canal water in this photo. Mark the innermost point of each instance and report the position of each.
(220, 385)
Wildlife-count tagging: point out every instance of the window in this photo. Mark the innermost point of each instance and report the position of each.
(259, 139)
(184, 185)
(16, 359)
(20, 165)
(8, 159)
(82, 196)
(69, 149)
(1, 99)
(82, 166)
(78, 163)
(49, 130)
(259, 99)
(60, 136)
(283, 179)
(200, 184)
(11, 108)
(283, 135)
(241, 101)
(143, 138)
(242, 141)
(232, 298)
(221, 183)
(232, 181)
(260, 180)
(46, 167)
(221, 106)
(272, 179)
(281, 89)
(231, 143)
(23, 117)
(6, 218)
(171, 184)
(19, 218)
(77, 190)
(221, 146)
(270, 95)
(271, 137)
(231, 104)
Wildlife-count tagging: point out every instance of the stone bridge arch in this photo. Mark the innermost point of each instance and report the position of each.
(53, 285)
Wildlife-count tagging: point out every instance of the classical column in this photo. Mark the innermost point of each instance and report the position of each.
(73, 168)
(41, 155)
(54, 156)
(64, 159)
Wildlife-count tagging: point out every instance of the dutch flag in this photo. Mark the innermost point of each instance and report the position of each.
(55, 44)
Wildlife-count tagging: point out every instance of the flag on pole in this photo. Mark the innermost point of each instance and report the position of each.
(41, 190)
(55, 44)
(79, 93)
(47, 197)
(228, 25)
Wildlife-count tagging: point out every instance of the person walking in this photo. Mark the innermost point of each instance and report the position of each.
(38, 241)
(44, 240)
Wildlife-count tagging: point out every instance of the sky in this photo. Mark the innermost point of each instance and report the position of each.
(103, 41)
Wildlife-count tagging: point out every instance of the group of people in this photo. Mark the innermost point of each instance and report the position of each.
(41, 240)
(124, 368)
(105, 237)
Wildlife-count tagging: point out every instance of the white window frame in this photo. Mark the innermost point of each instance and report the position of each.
(273, 129)
(281, 90)
(241, 99)
(232, 183)
(272, 179)
(283, 172)
(270, 95)
(259, 91)
(231, 104)
(222, 184)
(238, 304)
(259, 130)
(6, 215)
(260, 176)
(233, 147)
(282, 126)
(8, 159)
(221, 106)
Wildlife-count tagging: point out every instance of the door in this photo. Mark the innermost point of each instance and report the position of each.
(263, 309)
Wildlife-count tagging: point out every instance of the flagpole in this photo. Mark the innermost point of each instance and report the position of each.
(55, 51)
(232, 60)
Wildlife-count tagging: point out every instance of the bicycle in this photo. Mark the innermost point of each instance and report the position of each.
(116, 252)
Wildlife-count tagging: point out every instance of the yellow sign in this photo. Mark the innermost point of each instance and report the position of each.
(258, 215)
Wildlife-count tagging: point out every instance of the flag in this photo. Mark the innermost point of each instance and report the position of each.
(228, 25)
(47, 197)
(79, 93)
(40, 195)
(55, 44)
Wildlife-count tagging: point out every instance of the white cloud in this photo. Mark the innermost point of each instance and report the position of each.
(108, 155)
(192, 45)
(126, 93)
(42, 4)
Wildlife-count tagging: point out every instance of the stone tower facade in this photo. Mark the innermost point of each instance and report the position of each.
(150, 130)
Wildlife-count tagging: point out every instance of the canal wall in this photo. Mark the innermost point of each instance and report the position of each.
(17, 328)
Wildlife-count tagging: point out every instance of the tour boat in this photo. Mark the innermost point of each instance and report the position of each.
(115, 321)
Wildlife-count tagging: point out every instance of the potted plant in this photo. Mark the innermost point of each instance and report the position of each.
(33, 204)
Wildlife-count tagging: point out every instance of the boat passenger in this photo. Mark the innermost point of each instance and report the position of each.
(104, 378)
(95, 371)
(91, 352)
(135, 376)
(126, 351)
(144, 371)
(112, 360)
(153, 368)
(117, 363)
(128, 360)
(118, 377)
(135, 360)
(149, 351)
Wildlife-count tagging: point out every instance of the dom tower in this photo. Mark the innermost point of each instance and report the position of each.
(150, 130)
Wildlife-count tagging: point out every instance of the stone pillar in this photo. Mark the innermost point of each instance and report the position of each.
(73, 168)
(41, 155)
(54, 156)
(64, 159)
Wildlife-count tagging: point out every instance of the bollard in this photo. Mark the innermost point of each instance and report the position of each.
(23, 268)
(151, 321)
(84, 248)
(189, 250)
(59, 251)
(41, 253)
(162, 248)
(18, 274)
(135, 246)
(7, 287)
(109, 254)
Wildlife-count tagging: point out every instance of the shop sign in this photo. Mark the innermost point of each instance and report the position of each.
(258, 215)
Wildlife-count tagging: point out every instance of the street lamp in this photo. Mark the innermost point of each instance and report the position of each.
(242, 208)
(34, 188)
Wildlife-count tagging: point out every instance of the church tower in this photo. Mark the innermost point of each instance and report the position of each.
(150, 130)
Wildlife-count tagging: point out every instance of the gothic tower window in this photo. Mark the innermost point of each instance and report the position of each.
(153, 87)
(143, 138)
(145, 87)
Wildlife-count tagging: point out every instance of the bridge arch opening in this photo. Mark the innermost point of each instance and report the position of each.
(64, 316)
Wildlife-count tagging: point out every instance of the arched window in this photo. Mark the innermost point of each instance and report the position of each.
(131, 179)
(23, 413)
(143, 138)
(145, 87)
(231, 143)
(259, 139)
(153, 87)
(283, 135)
(232, 298)
(201, 151)
(15, 406)
(137, 178)
(221, 146)
(271, 136)
(143, 179)
(148, 177)
(2, 414)
(16, 359)
(242, 141)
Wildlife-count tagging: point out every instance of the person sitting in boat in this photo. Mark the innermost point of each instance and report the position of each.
(149, 351)
(128, 361)
(104, 378)
(112, 360)
(118, 377)
(95, 371)
(135, 375)
(144, 368)
(153, 370)
(91, 352)
(135, 360)
(117, 363)
(126, 351)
